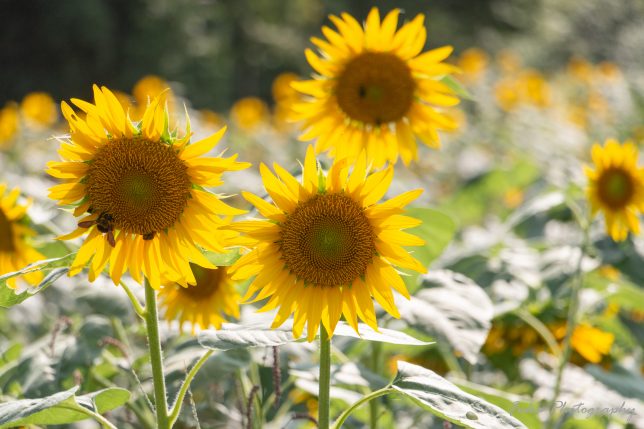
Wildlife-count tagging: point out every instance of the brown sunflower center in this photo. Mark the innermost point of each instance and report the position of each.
(142, 185)
(208, 282)
(6, 234)
(327, 241)
(615, 188)
(375, 88)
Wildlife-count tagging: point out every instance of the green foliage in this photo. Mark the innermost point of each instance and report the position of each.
(61, 408)
(54, 269)
(442, 398)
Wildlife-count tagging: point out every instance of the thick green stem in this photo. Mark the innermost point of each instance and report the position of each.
(570, 323)
(373, 395)
(154, 344)
(176, 408)
(325, 379)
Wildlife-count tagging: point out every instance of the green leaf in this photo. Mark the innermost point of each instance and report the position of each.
(60, 408)
(524, 409)
(457, 87)
(14, 412)
(437, 230)
(626, 383)
(104, 400)
(443, 399)
(453, 308)
(55, 267)
(259, 334)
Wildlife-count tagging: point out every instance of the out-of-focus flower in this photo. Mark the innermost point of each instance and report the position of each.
(580, 69)
(616, 187)
(9, 123)
(508, 62)
(145, 90)
(205, 304)
(507, 94)
(249, 113)
(284, 96)
(39, 109)
(591, 343)
(534, 88)
(375, 90)
(212, 119)
(15, 252)
(472, 62)
(513, 197)
(609, 272)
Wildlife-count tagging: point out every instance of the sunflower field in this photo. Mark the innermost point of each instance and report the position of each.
(322, 214)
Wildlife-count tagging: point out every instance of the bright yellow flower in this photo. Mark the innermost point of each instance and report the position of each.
(327, 247)
(204, 305)
(373, 90)
(248, 113)
(39, 109)
(139, 190)
(616, 186)
(9, 123)
(15, 252)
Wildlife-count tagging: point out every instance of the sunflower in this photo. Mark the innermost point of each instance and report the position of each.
(327, 247)
(374, 90)
(616, 186)
(15, 252)
(206, 304)
(139, 192)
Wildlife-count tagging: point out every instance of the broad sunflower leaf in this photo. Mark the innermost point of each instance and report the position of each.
(259, 334)
(453, 308)
(60, 408)
(443, 399)
(54, 269)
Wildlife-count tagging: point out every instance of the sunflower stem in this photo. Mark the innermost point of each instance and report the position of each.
(373, 395)
(325, 379)
(154, 344)
(571, 321)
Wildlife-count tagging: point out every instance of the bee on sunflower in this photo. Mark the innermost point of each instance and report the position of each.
(374, 90)
(138, 190)
(616, 187)
(327, 246)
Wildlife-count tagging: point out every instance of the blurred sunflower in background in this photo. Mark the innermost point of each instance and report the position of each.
(15, 251)
(9, 123)
(374, 90)
(206, 304)
(138, 189)
(616, 187)
(327, 247)
(39, 109)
